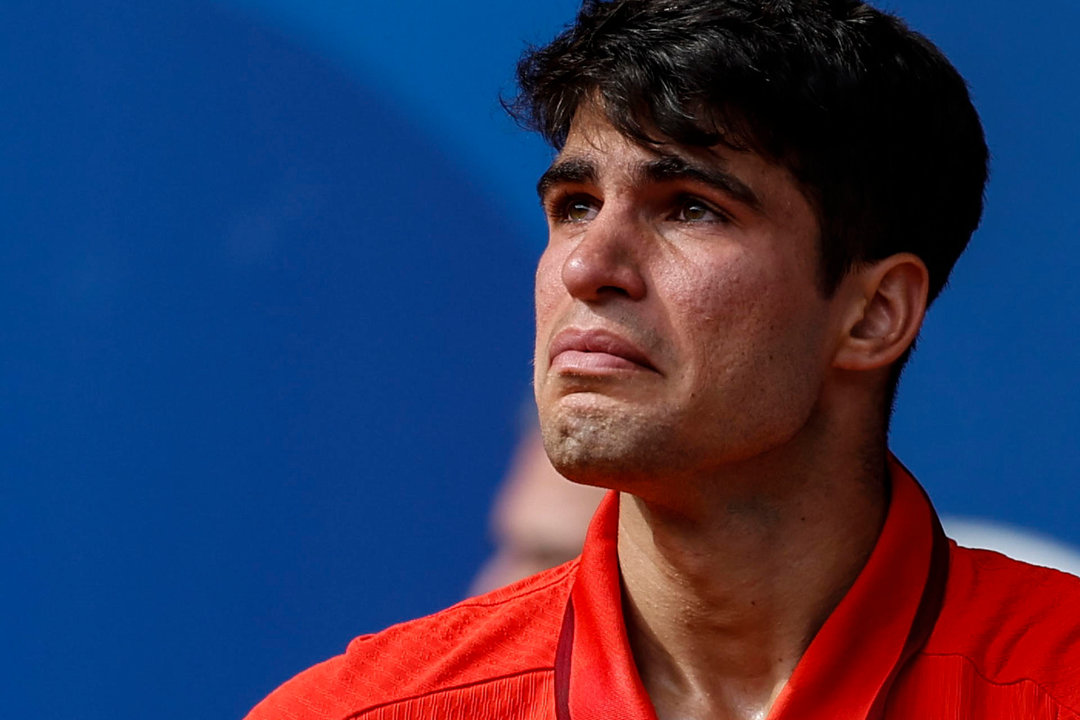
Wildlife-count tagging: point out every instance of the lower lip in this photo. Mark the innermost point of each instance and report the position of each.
(592, 362)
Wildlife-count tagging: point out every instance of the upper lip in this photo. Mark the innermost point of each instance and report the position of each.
(600, 341)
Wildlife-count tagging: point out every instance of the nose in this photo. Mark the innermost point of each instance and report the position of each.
(606, 262)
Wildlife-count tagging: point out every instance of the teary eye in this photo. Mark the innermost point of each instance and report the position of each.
(579, 209)
(694, 210)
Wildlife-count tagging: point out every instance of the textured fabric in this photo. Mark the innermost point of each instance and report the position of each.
(490, 657)
(929, 630)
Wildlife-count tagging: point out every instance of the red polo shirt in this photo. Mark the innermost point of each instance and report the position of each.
(929, 631)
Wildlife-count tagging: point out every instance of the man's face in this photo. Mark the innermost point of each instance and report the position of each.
(680, 321)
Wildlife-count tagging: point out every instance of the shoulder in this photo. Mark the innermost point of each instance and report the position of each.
(1011, 623)
(510, 633)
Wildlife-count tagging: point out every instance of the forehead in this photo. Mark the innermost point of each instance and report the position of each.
(594, 139)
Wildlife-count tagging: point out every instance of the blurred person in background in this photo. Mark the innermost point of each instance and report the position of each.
(538, 519)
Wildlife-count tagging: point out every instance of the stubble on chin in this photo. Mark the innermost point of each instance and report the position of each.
(594, 447)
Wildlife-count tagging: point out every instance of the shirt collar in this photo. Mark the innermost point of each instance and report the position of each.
(846, 671)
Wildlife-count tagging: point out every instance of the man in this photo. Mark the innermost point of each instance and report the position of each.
(752, 204)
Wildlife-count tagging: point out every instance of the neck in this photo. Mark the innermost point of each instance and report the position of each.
(724, 594)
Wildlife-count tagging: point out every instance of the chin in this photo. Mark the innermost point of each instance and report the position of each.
(606, 450)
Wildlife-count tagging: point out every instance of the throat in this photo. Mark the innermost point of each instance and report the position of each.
(698, 675)
(718, 616)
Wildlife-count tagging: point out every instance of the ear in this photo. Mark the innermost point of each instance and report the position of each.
(886, 312)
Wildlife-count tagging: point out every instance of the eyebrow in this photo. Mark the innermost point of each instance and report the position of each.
(666, 168)
(673, 167)
(574, 171)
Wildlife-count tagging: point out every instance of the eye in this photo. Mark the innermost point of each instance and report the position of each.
(692, 210)
(579, 209)
(574, 209)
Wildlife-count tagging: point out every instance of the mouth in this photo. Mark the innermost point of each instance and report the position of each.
(595, 352)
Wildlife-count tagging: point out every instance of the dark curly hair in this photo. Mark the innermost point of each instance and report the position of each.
(869, 116)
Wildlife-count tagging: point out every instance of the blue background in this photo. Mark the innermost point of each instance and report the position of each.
(265, 284)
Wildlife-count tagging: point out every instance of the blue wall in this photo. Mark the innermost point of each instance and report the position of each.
(265, 281)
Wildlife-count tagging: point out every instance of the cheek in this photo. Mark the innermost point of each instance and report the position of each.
(718, 301)
(549, 288)
(742, 317)
(550, 295)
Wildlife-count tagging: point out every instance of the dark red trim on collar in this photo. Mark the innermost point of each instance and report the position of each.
(849, 667)
(930, 604)
(562, 664)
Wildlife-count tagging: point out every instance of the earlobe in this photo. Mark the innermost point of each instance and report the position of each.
(887, 309)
